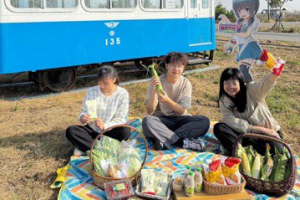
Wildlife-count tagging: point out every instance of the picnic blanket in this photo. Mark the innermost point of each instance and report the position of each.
(79, 183)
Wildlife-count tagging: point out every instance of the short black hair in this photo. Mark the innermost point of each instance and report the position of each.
(108, 71)
(177, 57)
(240, 101)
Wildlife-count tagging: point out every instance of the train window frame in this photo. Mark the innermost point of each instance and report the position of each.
(161, 9)
(111, 9)
(208, 4)
(11, 8)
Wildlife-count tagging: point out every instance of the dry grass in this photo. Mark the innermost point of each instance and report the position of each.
(33, 143)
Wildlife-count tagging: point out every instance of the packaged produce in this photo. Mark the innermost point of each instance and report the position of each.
(92, 108)
(108, 143)
(198, 180)
(189, 185)
(119, 189)
(161, 184)
(102, 158)
(230, 170)
(178, 184)
(270, 62)
(147, 181)
(213, 173)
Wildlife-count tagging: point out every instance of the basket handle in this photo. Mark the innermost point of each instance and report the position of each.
(109, 129)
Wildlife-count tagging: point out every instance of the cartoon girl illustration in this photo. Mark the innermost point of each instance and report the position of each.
(247, 23)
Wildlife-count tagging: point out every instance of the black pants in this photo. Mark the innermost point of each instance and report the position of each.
(82, 137)
(227, 136)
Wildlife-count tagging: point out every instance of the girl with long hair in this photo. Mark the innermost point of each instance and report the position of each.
(244, 109)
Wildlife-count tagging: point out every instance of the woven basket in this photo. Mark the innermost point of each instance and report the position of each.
(215, 189)
(270, 188)
(100, 180)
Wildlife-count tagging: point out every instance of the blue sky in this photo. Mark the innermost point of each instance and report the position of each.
(291, 6)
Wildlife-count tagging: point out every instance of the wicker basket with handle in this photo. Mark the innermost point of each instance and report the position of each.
(100, 180)
(215, 189)
(269, 187)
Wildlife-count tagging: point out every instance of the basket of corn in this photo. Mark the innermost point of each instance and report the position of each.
(272, 174)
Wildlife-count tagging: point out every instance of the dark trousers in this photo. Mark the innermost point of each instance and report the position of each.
(170, 129)
(82, 137)
(227, 136)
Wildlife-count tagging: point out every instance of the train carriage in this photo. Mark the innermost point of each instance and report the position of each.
(50, 38)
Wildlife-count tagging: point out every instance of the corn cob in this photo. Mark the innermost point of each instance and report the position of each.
(275, 163)
(288, 167)
(250, 154)
(256, 166)
(239, 151)
(280, 168)
(268, 166)
(245, 163)
(154, 73)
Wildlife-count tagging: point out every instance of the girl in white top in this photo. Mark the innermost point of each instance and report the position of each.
(104, 106)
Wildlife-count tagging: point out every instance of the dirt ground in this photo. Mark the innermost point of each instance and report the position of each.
(33, 143)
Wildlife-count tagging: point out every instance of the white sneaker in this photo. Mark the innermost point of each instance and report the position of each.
(77, 152)
(195, 144)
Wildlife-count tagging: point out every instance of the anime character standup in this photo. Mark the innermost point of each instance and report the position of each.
(247, 23)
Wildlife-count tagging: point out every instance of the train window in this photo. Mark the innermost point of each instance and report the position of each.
(97, 3)
(205, 3)
(61, 3)
(154, 4)
(193, 3)
(44, 3)
(26, 3)
(172, 4)
(123, 3)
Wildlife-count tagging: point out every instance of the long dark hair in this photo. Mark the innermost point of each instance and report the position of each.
(253, 5)
(240, 101)
(108, 71)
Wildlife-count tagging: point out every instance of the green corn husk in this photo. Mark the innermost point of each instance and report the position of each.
(276, 159)
(280, 168)
(267, 167)
(288, 167)
(251, 155)
(256, 166)
(245, 164)
(154, 73)
(239, 151)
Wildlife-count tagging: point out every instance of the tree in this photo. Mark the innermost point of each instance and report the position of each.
(222, 10)
(278, 4)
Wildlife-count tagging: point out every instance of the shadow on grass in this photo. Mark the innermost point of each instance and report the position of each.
(53, 144)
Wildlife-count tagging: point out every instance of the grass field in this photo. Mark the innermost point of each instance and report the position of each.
(33, 143)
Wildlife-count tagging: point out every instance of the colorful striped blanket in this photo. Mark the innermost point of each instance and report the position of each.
(79, 183)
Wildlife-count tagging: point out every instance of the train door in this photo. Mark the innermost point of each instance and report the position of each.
(193, 21)
(200, 23)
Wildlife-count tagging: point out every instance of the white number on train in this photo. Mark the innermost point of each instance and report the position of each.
(112, 41)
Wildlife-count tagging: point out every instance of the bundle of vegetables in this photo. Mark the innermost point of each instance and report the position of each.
(266, 167)
(114, 159)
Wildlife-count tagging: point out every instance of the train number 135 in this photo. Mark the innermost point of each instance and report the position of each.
(112, 41)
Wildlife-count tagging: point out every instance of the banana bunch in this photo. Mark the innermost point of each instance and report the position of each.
(266, 168)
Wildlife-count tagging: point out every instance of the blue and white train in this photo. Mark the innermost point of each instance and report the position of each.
(50, 38)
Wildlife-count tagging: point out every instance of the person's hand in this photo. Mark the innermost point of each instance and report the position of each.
(99, 123)
(271, 132)
(163, 98)
(86, 119)
(154, 82)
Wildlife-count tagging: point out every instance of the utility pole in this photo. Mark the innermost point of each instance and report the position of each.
(268, 10)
